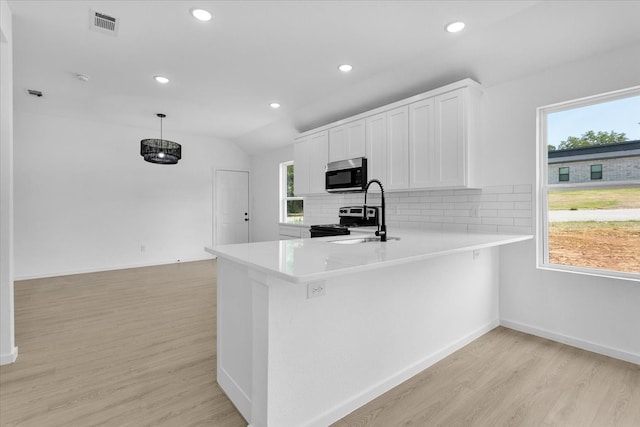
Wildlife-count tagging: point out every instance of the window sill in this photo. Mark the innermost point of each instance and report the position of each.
(607, 274)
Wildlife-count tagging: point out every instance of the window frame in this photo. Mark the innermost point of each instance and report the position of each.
(592, 172)
(282, 192)
(542, 184)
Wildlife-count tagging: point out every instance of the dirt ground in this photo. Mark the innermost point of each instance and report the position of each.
(608, 248)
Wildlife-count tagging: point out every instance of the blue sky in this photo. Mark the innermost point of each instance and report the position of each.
(622, 115)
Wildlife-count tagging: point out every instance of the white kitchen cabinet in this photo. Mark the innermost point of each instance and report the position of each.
(431, 140)
(310, 159)
(388, 148)
(397, 149)
(442, 129)
(423, 156)
(377, 149)
(347, 141)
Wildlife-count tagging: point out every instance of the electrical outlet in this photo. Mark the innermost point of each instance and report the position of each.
(474, 212)
(143, 248)
(316, 289)
(476, 254)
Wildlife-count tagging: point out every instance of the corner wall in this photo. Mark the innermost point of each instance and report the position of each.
(8, 350)
(265, 193)
(85, 200)
(595, 313)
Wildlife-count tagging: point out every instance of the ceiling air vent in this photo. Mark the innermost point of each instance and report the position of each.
(103, 23)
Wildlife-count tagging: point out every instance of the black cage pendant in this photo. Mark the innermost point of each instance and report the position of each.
(160, 151)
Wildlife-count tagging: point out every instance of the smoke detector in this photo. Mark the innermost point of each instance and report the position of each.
(103, 23)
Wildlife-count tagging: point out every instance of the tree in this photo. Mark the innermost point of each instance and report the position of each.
(551, 147)
(590, 138)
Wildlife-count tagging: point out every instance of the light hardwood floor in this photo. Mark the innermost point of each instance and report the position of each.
(137, 348)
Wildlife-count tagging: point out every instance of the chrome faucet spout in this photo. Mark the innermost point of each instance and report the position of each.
(382, 228)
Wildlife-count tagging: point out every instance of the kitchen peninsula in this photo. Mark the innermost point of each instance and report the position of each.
(311, 329)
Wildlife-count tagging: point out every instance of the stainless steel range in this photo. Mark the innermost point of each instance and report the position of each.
(350, 217)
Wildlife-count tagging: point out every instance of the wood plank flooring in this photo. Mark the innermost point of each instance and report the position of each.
(137, 348)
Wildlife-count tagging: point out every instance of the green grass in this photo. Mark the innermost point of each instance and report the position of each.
(619, 198)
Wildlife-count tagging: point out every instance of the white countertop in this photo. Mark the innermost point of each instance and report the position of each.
(304, 260)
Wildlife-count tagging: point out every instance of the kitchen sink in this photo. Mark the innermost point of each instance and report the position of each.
(361, 240)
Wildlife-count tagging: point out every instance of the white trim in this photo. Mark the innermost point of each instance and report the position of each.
(8, 358)
(346, 407)
(235, 393)
(542, 184)
(572, 341)
(115, 267)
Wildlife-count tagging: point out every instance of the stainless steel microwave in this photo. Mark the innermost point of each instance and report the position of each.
(346, 176)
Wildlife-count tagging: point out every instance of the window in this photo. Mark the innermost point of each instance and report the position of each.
(291, 207)
(563, 174)
(591, 223)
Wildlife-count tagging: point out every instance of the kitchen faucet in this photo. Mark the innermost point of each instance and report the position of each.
(382, 228)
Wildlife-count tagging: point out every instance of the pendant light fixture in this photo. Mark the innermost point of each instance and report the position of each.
(160, 151)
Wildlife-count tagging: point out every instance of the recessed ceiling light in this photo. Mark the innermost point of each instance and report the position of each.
(161, 79)
(274, 105)
(454, 27)
(201, 15)
(345, 68)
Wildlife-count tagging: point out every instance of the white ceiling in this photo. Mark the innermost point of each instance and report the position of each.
(225, 73)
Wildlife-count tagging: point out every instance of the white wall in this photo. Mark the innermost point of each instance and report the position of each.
(8, 350)
(85, 200)
(591, 312)
(265, 193)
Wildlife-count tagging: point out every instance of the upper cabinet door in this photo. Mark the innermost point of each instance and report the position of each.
(310, 160)
(424, 153)
(347, 141)
(377, 148)
(318, 161)
(450, 139)
(397, 148)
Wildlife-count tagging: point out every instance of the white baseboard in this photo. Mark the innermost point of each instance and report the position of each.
(382, 387)
(8, 358)
(233, 391)
(106, 268)
(574, 342)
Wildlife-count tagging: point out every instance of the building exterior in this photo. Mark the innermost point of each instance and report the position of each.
(602, 163)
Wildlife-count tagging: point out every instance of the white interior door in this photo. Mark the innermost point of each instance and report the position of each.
(232, 207)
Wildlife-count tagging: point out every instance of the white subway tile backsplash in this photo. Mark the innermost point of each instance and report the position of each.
(488, 212)
(514, 213)
(489, 197)
(513, 230)
(523, 222)
(524, 188)
(467, 220)
(442, 206)
(515, 197)
(495, 209)
(497, 221)
(454, 199)
(498, 189)
(455, 227)
(522, 205)
(482, 228)
(496, 205)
